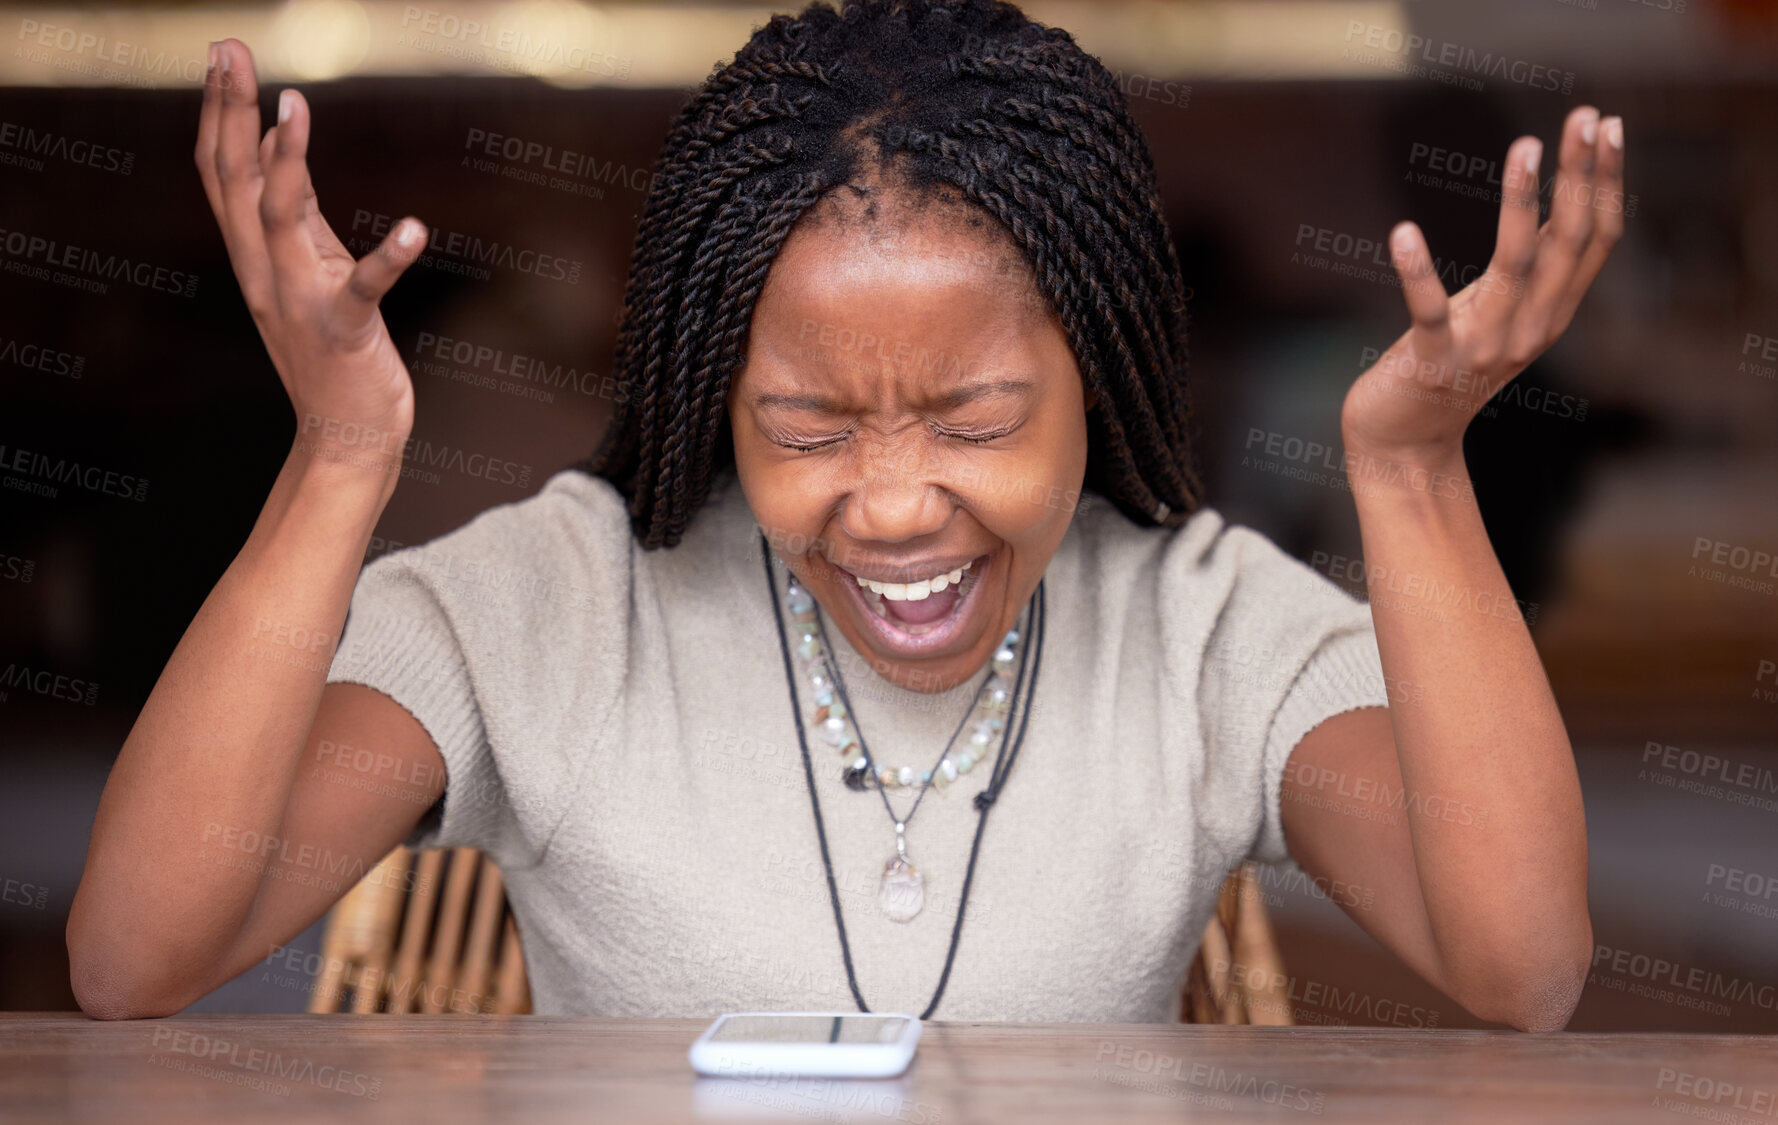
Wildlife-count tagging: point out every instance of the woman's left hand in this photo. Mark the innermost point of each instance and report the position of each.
(1413, 405)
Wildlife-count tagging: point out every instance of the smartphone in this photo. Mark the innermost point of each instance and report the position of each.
(823, 1044)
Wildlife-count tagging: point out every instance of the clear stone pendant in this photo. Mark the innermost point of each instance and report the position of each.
(904, 889)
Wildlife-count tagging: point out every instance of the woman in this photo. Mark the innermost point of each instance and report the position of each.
(895, 529)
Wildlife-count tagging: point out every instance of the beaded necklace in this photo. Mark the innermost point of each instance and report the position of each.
(903, 887)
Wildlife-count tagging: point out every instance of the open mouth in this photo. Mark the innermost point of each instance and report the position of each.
(916, 618)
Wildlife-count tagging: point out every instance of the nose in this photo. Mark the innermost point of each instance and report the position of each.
(895, 497)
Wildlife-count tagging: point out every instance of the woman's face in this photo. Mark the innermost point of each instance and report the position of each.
(910, 408)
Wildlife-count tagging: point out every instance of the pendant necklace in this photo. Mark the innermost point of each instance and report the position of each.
(902, 891)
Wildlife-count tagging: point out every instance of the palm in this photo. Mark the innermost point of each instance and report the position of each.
(315, 305)
(1420, 395)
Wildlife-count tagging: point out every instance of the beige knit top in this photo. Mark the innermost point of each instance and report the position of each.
(617, 732)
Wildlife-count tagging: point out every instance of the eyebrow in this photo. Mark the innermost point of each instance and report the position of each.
(951, 399)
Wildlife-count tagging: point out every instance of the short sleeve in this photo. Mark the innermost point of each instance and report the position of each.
(399, 641)
(1343, 674)
(1288, 650)
(508, 640)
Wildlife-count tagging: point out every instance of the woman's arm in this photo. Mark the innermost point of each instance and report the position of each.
(225, 826)
(207, 808)
(1463, 809)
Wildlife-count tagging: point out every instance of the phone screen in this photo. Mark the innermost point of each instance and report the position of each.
(810, 1029)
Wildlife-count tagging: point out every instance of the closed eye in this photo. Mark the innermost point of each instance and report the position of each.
(977, 438)
(807, 446)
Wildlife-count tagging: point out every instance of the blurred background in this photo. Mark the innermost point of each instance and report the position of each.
(1629, 478)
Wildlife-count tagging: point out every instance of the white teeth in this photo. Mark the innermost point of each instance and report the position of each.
(914, 591)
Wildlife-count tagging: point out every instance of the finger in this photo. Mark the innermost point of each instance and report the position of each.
(1563, 240)
(237, 166)
(1428, 304)
(205, 153)
(283, 204)
(356, 305)
(1610, 208)
(1499, 291)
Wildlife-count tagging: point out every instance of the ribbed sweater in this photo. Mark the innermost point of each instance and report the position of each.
(617, 734)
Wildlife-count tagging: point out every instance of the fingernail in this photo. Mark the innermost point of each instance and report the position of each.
(408, 235)
(225, 59)
(285, 102)
(1533, 156)
(212, 64)
(1589, 129)
(1614, 132)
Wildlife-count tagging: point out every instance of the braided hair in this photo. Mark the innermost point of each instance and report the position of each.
(970, 98)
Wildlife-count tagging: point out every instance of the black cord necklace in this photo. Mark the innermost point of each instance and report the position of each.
(1007, 754)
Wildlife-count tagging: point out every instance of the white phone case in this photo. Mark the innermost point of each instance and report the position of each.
(742, 1058)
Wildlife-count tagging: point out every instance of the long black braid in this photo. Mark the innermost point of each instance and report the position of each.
(971, 96)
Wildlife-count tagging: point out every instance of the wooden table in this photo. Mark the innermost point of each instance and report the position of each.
(450, 1068)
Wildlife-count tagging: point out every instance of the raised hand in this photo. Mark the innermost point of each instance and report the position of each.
(316, 307)
(1415, 402)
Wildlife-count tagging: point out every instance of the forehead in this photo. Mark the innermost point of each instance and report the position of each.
(933, 264)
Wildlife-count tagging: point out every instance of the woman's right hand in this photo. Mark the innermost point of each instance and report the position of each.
(315, 305)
